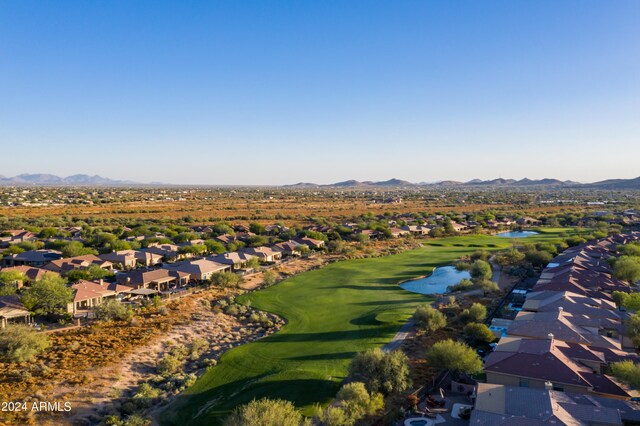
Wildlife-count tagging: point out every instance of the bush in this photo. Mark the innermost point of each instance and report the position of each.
(478, 333)
(480, 269)
(269, 278)
(627, 268)
(385, 372)
(225, 279)
(169, 364)
(627, 372)
(463, 285)
(454, 356)
(112, 310)
(475, 313)
(429, 318)
(20, 343)
(265, 411)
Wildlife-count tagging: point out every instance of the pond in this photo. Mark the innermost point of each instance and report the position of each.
(516, 234)
(437, 282)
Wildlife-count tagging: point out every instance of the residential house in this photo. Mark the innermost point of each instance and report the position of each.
(237, 260)
(312, 243)
(16, 236)
(598, 331)
(12, 310)
(32, 258)
(89, 294)
(156, 279)
(127, 259)
(288, 248)
(500, 405)
(548, 363)
(63, 266)
(30, 272)
(167, 252)
(200, 270)
(265, 254)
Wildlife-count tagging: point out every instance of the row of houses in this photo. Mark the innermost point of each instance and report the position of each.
(557, 350)
(141, 273)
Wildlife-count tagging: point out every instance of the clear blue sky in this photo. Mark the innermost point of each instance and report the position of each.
(257, 92)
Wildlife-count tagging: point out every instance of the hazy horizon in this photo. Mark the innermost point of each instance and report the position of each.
(255, 93)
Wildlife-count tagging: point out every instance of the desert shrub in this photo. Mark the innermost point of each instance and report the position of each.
(475, 313)
(269, 278)
(169, 364)
(476, 333)
(265, 411)
(20, 343)
(385, 372)
(225, 279)
(463, 285)
(429, 318)
(112, 310)
(454, 356)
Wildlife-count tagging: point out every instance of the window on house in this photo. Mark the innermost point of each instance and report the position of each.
(524, 383)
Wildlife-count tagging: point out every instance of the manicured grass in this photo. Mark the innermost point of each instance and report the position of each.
(332, 314)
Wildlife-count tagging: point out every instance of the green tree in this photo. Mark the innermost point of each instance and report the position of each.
(454, 356)
(9, 281)
(509, 257)
(538, 257)
(385, 372)
(112, 310)
(266, 412)
(627, 372)
(93, 272)
(257, 228)
(627, 268)
(355, 403)
(480, 269)
(633, 328)
(215, 246)
(20, 343)
(76, 248)
(631, 249)
(477, 312)
(47, 296)
(478, 333)
(225, 279)
(429, 318)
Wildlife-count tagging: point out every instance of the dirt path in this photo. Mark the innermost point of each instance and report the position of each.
(223, 332)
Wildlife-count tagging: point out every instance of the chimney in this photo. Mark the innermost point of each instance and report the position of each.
(548, 386)
(550, 336)
(101, 282)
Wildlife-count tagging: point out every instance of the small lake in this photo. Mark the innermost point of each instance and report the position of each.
(516, 234)
(437, 282)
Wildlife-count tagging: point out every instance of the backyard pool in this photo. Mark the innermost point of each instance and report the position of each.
(516, 234)
(437, 282)
(418, 421)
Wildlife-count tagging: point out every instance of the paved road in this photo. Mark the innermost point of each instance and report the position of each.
(399, 337)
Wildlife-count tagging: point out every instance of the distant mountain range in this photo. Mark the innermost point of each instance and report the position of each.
(611, 184)
(47, 179)
(40, 179)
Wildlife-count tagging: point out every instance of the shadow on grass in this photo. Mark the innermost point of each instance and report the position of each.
(212, 406)
(322, 357)
(368, 319)
(328, 335)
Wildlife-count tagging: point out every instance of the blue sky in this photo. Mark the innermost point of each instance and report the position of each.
(257, 92)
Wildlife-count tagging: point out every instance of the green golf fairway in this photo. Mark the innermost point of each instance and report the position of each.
(332, 313)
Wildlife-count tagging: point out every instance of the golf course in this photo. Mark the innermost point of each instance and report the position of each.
(332, 313)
